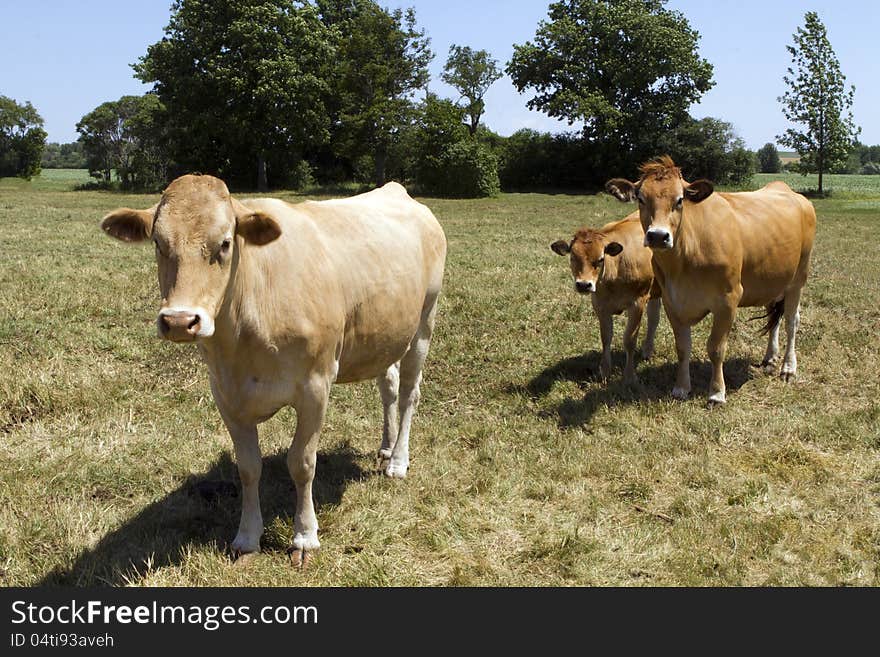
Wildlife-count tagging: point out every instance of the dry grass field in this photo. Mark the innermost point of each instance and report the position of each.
(526, 470)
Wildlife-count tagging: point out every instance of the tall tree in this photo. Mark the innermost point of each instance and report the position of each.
(22, 139)
(127, 136)
(382, 61)
(471, 73)
(629, 69)
(768, 159)
(818, 100)
(244, 82)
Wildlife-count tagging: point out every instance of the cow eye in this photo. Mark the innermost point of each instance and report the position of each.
(224, 247)
(599, 262)
(679, 202)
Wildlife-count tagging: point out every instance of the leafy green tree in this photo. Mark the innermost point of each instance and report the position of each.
(817, 99)
(538, 161)
(382, 60)
(245, 83)
(709, 148)
(64, 156)
(768, 159)
(471, 73)
(22, 139)
(629, 69)
(126, 135)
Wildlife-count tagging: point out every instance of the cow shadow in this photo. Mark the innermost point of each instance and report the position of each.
(204, 511)
(655, 384)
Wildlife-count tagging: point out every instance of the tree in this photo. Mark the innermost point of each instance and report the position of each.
(382, 60)
(22, 139)
(127, 136)
(471, 73)
(629, 69)
(818, 100)
(64, 156)
(244, 83)
(768, 159)
(709, 148)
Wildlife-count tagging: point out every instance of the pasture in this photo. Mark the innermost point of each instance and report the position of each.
(526, 469)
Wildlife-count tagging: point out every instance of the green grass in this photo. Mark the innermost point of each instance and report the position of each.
(841, 186)
(526, 470)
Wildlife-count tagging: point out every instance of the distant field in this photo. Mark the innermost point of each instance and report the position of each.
(526, 469)
(841, 186)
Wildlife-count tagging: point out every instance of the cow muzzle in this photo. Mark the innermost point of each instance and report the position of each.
(584, 287)
(658, 238)
(180, 325)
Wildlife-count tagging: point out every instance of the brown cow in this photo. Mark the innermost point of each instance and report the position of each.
(714, 252)
(614, 267)
(285, 300)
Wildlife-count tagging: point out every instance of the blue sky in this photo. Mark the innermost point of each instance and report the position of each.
(68, 56)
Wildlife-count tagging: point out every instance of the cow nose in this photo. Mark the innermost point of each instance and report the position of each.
(658, 238)
(179, 326)
(584, 287)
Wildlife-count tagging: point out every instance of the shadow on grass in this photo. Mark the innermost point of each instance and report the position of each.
(655, 384)
(204, 510)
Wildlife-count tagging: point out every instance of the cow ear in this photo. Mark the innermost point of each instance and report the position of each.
(129, 225)
(613, 249)
(622, 189)
(698, 191)
(258, 229)
(561, 247)
(255, 227)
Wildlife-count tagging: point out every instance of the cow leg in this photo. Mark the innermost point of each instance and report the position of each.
(389, 388)
(772, 353)
(630, 338)
(722, 320)
(683, 345)
(792, 321)
(310, 404)
(653, 322)
(250, 465)
(410, 393)
(606, 330)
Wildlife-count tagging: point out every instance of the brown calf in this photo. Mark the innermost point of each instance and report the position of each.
(612, 265)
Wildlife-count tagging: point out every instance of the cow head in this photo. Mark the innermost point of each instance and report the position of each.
(587, 252)
(197, 229)
(661, 193)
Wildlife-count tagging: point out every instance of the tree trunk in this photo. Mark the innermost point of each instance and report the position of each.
(262, 182)
(379, 170)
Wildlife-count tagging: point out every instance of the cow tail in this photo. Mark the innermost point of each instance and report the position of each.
(774, 314)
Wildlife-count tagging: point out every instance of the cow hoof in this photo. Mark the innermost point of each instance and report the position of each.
(680, 393)
(242, 545)
(299, 559)
(718, 399)
(769, 367)
(788, 377)
(396, 470)
(243, 559)
(383, 458)
(648, 354)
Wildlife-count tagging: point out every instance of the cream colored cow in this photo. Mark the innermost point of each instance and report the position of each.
(285, 300)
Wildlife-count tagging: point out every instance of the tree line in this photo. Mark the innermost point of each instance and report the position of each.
(288, 93)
